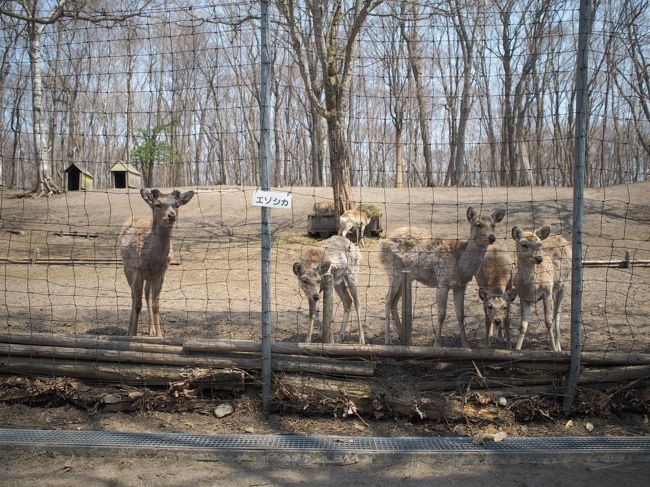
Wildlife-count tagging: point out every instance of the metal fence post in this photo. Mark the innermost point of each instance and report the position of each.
(582, 101)
(328, 308)
(265, 160)
(407, 307)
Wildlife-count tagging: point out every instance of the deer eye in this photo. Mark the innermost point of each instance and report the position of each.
(490, 306)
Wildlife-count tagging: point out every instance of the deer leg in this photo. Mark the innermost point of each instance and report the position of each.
(459, 304)
(150, 316)
(136, 304)
(441, 298)
(489, 328)
(393, 296)
(548, 321)
(506, 331)
(523, 327)
(156, 287)
(363, 231)
(344, 295)
(354, 293)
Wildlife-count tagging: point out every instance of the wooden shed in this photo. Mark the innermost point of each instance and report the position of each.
(125, 175)
(77, 179)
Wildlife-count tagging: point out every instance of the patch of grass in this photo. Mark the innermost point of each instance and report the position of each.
(372, 210)
(294, 239)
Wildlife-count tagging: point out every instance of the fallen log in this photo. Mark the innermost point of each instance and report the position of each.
(120, 373)
(416, 352)
(177, 359)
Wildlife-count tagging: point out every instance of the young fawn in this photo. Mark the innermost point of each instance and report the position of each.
(354, 219)
(494, 279)
(443, 264)
(342, 258)
(147, 251)
(543, 269)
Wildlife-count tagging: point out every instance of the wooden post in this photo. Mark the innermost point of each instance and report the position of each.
(328, 308)
(407, 308)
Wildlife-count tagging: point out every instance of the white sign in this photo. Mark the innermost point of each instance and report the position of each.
(272, 199)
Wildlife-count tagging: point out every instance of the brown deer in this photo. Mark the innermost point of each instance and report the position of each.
(443, 264)
(354, 219)
(147, 251)
(342, 258)
(494, 279)
(543, 268)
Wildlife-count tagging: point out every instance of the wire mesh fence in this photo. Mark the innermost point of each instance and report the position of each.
(428, 111)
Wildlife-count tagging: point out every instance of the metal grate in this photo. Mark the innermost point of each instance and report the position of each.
(183, 441)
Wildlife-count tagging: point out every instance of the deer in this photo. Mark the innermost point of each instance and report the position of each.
(146, 250)
(443, 264)
(342, 259)
(494, 279)
(543, 267)
(357, 219)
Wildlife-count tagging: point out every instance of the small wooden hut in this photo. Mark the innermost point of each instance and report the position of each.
(77, 178)
(125, 175)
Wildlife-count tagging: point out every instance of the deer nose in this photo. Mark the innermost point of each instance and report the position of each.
(492, 239)
(497, 322)
(315, 297)
(171, 216)
(539, 259)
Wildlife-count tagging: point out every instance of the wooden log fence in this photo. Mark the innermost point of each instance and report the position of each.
(334, 378)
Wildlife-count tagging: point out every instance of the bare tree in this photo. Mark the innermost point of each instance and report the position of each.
(409, 31)
(336, 28)
(37, 16)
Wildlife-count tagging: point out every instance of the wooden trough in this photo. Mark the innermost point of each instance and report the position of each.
(324, 226)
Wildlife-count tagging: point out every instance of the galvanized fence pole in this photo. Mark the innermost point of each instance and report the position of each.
(265, 160)
(582, 101)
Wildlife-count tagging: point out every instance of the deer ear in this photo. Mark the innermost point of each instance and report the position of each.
(543, 232)
(483, 294)
(517, 233)
(185, 198)
(323, 267)
(510, 295)
(147, 196)
(471, 214)
(498, 215)
(298, 269)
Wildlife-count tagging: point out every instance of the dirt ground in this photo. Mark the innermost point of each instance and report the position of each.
(71, 471)
(213, 290)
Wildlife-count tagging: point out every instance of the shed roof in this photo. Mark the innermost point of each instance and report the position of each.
(123, 166)
(75, 165)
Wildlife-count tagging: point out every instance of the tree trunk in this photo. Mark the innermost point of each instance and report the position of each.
(45, 185)
(399, 163)
(340, 164)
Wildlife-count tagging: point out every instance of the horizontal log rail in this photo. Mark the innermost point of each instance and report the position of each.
(417, 352)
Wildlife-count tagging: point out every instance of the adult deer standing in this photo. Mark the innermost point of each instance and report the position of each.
(542, 272)
(147, 251)
(354, 219)
(342, 258)
(443, 264)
